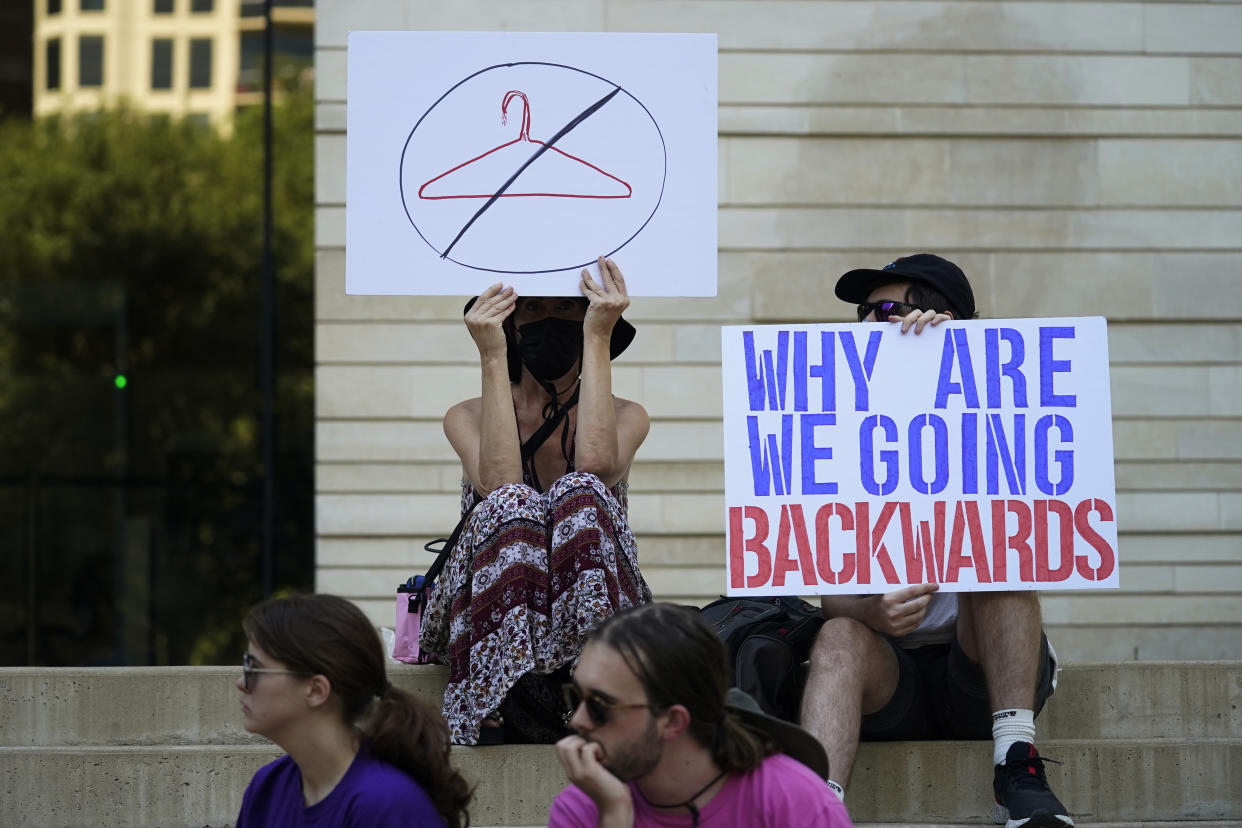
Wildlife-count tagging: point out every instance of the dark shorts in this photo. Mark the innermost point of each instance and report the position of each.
(942, 694)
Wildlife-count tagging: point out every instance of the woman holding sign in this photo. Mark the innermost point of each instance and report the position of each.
(547, 552)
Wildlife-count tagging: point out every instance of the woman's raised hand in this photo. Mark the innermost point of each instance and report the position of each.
(486, 317)
(608, 300)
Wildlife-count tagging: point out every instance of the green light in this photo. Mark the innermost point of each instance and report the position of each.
(121, 381)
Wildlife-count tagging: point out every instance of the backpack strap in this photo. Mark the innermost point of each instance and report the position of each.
(442, 548)
(442, 551)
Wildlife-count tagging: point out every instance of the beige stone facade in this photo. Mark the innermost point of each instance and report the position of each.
(1077, 158)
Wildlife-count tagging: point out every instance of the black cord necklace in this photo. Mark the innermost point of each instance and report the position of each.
(554, 413)
(689, 803)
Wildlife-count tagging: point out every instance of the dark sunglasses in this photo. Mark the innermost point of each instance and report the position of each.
(598, 708)
(884, 309)
(250, 673)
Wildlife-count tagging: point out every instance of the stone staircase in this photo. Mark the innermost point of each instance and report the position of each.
(1141, 744)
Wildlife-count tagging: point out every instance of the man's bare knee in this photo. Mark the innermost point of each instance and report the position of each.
(1002, 598)
(855, 661)
(987, 616)
(843, 640)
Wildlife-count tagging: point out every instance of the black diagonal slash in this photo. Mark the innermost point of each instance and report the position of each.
(582, 116)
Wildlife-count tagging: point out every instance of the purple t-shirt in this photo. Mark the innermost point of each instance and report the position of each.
(372, 794)
(781, 792)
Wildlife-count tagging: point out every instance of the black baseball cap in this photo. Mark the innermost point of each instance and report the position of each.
(932, 270)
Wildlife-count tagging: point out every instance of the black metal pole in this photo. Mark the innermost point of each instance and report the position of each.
(32, 568)
(124, 605)
(267, 337)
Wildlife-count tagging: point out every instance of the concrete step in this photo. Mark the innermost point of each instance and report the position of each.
(199, 705)
(1117, 780)
(1136, 699)
(1128, 782)
(145, 705)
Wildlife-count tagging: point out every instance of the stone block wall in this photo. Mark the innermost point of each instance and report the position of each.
(1076, 158)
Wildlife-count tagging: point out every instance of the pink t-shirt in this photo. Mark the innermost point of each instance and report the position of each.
(780, 793)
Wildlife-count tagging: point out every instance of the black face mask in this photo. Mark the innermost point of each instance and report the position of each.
(550, 347)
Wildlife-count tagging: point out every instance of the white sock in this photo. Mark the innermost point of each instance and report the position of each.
(1009, 726)
(836, 789)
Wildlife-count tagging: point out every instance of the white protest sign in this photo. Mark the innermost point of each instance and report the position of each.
(483, 157)
(977, 455)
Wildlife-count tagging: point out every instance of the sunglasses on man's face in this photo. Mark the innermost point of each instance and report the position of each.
(598, 708)
(883, 309)
(250, 673)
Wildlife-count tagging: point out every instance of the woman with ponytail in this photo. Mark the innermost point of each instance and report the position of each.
(545, 551)
(359, 752)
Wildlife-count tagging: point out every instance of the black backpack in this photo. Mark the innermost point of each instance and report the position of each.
(768, 639)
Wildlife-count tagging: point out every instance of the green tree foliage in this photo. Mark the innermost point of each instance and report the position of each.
(131, 244)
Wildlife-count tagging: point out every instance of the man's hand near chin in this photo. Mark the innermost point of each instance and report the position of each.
(583, 764)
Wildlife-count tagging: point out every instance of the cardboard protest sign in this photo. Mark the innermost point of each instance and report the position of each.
(483, 157)
(977, 455)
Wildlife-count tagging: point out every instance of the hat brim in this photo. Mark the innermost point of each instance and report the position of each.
(790, 739)
(622, 335)
(623, 332)
(855, 286)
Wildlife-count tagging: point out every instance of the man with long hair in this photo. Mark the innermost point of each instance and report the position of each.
(662, 740)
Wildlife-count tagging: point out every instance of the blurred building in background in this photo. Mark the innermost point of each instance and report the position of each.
(195, 58)
(16, 68)
(131, 463)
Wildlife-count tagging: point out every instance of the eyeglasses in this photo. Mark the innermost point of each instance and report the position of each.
(249, 671)
(598, 708)
(883, 309)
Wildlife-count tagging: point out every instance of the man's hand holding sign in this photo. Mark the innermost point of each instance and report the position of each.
(894, 613)
(946, 469)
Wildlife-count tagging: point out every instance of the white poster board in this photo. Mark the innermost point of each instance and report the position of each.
(977, 455)
(483, 157)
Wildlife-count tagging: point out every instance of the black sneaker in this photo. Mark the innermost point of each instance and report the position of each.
(1023, 798)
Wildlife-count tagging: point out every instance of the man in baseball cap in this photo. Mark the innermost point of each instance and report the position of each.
(916, 663)
(922, 270)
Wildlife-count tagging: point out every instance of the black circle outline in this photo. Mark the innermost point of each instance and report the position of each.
(410, 137)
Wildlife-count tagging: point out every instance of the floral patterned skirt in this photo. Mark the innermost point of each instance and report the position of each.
(531, 575)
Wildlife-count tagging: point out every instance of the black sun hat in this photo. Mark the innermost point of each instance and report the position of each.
(790, 739)
(932, 270)
(623, 334)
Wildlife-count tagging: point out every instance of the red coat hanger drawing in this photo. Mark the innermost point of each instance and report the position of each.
(571, 177)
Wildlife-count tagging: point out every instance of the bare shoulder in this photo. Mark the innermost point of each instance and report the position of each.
(464, 414)
(632, 425)
(622, 404)
(628, 409)
(466, 408)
